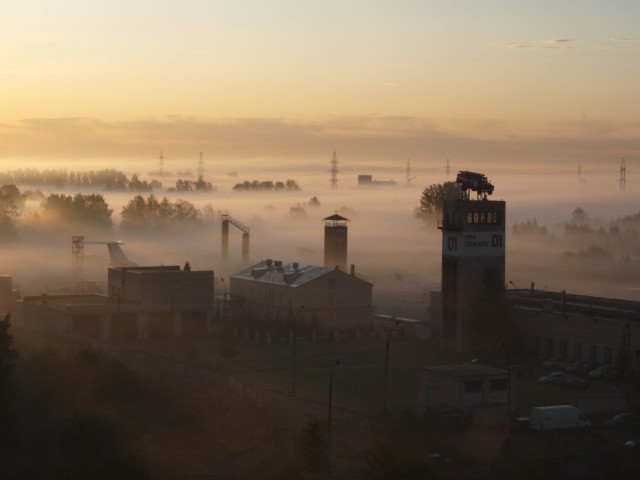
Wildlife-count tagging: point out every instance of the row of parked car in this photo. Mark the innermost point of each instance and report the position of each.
(584, 367)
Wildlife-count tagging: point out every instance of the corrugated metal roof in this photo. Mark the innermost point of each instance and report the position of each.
(280, 273)
(468, 369)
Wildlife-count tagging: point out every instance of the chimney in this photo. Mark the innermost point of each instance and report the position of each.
(353, 269)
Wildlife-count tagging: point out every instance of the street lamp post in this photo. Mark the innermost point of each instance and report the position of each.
(173, 296)
(386, 367)
(329, 404)
(225, 300)
(293, 351)
(506, 348)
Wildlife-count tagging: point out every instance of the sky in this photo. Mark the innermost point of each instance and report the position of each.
(300, 78)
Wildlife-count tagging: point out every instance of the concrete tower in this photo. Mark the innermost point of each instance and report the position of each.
(335, 242)
(473, 264)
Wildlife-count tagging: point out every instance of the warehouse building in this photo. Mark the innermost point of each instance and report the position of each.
(326, 297)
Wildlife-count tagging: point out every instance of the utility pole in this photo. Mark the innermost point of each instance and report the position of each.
(329, 404)
(386, 367)
(293, 351)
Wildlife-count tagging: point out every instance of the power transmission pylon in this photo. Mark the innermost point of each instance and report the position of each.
(334, 171)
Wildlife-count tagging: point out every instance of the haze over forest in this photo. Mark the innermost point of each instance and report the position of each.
(388, 243)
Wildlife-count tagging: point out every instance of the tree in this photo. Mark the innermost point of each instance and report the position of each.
(149, 213)
(311, 443)
(11, 201)
(433, 197)
(87, 210)
(8, 356)
(579, 222)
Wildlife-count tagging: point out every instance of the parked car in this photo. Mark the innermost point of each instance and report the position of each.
(574, 367)
(632, 443)
(586, 367)
(564, 379)
(555, 378)
(612, 374)
(572, 381)
(549, 362)
(520, 424)
(623, 420)
(603, 371)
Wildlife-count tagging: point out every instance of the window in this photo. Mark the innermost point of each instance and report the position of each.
(608, 355)
(493, 218)
(563, 349)
(483, 217)
(578, 351)
(549, 351)
(593, 353)
(535, 340)
(499, 384)
(469, 217)
(473, 386)
(476, 217)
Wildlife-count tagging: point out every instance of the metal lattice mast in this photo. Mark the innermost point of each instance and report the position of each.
(334, 170)
(623, 174)
(200, 168)
(409, 177)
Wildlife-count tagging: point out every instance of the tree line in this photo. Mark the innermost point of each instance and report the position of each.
(108, 179)
(92, 211)
(115, 180)
(267, 185)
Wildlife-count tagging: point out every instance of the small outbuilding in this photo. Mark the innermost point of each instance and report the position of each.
(477, 393)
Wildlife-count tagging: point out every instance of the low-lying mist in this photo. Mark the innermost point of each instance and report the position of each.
(392, 248)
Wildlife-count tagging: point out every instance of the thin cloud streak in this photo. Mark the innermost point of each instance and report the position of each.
(362, 138)
(553, 44)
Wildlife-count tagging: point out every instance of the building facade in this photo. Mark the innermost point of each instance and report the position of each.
(142, 302)
(327, 297)
(476, 393)
(473, 269)
(578, 327)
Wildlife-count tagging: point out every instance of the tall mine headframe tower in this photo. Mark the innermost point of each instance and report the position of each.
(473, 264)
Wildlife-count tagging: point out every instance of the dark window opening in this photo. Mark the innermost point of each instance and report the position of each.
(473, 386)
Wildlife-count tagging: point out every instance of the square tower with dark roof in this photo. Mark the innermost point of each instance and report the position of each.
(335, 242)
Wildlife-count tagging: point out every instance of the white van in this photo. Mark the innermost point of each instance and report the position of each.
(557, 417)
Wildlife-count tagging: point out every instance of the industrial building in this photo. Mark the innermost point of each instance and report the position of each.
(577, 327)
(325, 297)
(473, 263)
(474, 304)
(142, 302)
